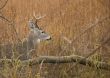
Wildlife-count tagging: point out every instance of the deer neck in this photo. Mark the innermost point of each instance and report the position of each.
(31, 42)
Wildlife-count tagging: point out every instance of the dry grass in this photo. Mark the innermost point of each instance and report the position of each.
(64, 18)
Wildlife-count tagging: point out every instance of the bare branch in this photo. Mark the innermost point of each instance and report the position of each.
(5, 19)
(4, 5)
(93, 52)
(91, 26)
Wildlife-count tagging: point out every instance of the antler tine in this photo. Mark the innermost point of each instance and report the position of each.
(37, 18)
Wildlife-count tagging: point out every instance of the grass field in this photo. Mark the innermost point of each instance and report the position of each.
(64, 19)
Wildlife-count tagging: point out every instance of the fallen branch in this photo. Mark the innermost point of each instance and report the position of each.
(62, 59)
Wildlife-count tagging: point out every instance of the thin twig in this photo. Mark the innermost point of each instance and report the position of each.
(4, 5)
(2, 17)
(41, 66)
(91, 26)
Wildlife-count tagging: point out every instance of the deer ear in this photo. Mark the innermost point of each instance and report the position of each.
(31, 24)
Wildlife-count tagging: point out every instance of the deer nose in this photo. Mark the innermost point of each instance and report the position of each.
(49, 38)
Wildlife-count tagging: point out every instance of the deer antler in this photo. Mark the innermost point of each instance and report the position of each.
(37, 18)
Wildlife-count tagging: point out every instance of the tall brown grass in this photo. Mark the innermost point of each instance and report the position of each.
(64, 18)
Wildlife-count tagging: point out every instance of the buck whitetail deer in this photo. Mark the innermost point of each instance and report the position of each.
(22, 49)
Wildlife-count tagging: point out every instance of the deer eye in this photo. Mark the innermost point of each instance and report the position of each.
(41, 31)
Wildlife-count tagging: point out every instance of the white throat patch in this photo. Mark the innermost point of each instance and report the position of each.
(38, 40)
